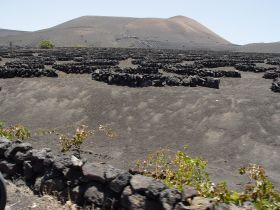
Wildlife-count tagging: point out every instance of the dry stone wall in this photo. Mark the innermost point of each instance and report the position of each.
(95, 185)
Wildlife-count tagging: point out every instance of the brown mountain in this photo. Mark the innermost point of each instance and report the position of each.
(174, 32)
(273, 47)
(7, 32)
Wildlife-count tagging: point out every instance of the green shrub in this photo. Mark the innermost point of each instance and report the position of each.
(78, 46)
(179, 169)
(46, 44)
(82, 133)
(261, 190)
(14, 132)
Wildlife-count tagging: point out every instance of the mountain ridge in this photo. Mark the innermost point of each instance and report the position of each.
(103, 31)
(10, 32)
(177, 32)
(270, 47)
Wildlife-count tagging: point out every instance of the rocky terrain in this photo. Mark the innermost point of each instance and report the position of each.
(93, 185)
(225, 106)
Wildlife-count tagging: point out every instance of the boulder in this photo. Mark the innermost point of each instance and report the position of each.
(4, 145)
(53, 185)
(94, 194)
(272, 74)
(169, 198)
(28, 172)
(111, 173)
(276, 85)
(20, 157)
(4, 140)
(9, 169)
(182, 206)
(74, 176)
(76, 161)
(62, 164)
(120, 182)
(16, 147)
(135, 202)
(173, 81)
(41, 159)
(200, 203)
(47, 184)
(131, 201)
(77, 194)
(188, 193)
(125, 195)
(147, 186)
(100, 172)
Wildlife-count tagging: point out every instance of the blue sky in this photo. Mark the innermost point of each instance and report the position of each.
(239, 21)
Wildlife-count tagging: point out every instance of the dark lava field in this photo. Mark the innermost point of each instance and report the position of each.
(225, 106)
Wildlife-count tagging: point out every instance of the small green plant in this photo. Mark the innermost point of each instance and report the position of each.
(14, 132)
(82, 133)
(175, 171)
(261, 190)
(179, 169)
(46, 44)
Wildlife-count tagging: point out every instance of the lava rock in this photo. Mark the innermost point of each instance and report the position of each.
(4, 145)
(77, 194)
(54, 185)
(136, 202)
(111, 173)
(120, 182)
(20, 157)
(17, 147)
(276, 85)
(200, 203)
(169, 198)
(73, 176)
(271, 74)
(147, 186)
(99, 172)
(28, 172)
(181, 206)
(62, 164)
(95, 194)
(188, 193)
(41, 159)
(76, 161)
(4, 140)
(9, 169)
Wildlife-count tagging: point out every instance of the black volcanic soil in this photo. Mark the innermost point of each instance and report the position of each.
(231, 126)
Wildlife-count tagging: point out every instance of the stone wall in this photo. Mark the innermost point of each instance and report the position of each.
(95, 185)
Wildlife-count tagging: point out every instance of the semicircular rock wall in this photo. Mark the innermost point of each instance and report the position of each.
(95, 185)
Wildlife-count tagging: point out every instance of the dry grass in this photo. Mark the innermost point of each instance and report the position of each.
(22, 198)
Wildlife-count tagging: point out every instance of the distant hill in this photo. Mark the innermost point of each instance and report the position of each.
(273, 47)
(7, 32)
(175, 32)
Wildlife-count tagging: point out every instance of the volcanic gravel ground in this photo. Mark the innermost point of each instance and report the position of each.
(231, 126)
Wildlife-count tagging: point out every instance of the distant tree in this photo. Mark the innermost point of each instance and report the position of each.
(78, 46)
(46, 44)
